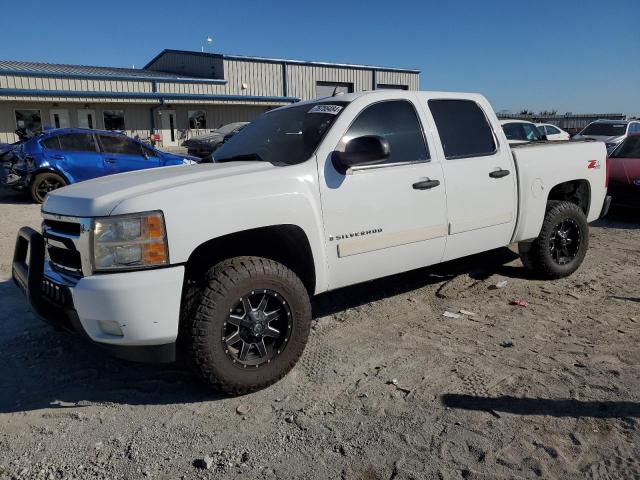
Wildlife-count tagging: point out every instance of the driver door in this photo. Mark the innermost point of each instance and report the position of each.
(381, 219)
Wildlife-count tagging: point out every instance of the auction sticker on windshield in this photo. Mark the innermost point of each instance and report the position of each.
(331, 109)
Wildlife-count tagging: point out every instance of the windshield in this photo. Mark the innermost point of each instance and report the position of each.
(630, 148)
(282, 137)
(605, 129)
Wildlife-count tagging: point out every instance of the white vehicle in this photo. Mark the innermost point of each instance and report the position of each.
(221, 259)
(552, 132)
(611, 132)
(521, 131)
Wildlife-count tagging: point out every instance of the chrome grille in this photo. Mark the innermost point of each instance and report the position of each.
(67, 244)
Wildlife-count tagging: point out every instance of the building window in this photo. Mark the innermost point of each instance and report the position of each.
(113, 119)
(389, 86)
(327, 89)
(29, 120)
(197, 119)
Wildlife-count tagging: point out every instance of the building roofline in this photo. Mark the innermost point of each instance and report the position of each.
(189, 52)
(99, 76)
(282, 61)
(160, 96)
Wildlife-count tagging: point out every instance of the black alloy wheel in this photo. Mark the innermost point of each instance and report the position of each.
(565, 240)
(257, 329)
(45, 183)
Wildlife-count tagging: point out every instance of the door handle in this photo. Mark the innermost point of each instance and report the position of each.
(110, 160)
(57, 157)
(426, 184)
(499, 173)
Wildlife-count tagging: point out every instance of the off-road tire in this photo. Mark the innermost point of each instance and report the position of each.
(206, 306)
(537, 256)
(35, 189)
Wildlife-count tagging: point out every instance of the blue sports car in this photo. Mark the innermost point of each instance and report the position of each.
(62, 156)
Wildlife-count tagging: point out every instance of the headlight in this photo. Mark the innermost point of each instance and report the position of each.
(130, 242)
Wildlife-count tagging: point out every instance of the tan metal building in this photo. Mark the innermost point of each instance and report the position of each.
(177, 94)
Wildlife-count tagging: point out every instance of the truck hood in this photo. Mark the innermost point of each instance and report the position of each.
(100, 196)
(599, 138)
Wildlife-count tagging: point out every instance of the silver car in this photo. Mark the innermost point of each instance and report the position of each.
(611, 132)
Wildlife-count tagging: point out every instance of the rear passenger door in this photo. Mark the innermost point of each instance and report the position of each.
(122, 154)
(479, 175)
(77, 155)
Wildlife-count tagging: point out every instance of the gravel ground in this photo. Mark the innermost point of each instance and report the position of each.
(387, 388)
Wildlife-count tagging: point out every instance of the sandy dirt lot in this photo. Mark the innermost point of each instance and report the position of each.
(388, 387)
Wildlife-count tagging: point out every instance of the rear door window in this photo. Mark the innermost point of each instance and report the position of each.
(78, 142)
(398, 123)
(463, 127)
(120, 145)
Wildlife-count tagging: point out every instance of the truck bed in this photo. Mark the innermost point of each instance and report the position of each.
(541, 166)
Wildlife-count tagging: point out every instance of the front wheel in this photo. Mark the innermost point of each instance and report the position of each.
(247, 325)
(562, 244)
(43, 183)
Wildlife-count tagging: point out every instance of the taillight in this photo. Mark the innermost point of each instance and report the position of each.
(606, 173)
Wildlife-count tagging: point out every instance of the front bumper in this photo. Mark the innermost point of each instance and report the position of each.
(134, 315)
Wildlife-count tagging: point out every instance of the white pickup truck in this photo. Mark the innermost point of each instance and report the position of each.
(217, 262)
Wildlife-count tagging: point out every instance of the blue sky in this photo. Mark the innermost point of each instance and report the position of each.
(578, 56)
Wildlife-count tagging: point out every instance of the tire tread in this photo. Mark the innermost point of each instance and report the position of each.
(201, 302)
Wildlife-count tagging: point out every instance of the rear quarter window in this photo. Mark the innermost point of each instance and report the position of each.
(463, 128)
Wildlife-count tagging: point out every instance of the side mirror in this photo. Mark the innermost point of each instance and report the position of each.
(366, 150)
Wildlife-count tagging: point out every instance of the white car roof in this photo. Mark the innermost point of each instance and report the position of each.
(508, 120)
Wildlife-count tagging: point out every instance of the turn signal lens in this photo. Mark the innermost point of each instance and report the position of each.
(130, 242)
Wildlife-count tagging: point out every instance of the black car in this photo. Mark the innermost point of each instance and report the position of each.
(204, 145)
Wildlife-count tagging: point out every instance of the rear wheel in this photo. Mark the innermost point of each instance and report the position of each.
(562, 244)
(247, 325)
(43, 183)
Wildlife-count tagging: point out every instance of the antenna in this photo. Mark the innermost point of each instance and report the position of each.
(209, 42)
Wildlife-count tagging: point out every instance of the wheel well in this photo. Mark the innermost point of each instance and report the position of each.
(574, 191)
(48, 170)
(286, 244)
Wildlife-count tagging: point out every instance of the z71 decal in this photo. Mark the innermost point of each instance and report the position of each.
(593, 164)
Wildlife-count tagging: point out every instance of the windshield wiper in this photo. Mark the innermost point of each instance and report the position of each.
(251, 157)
